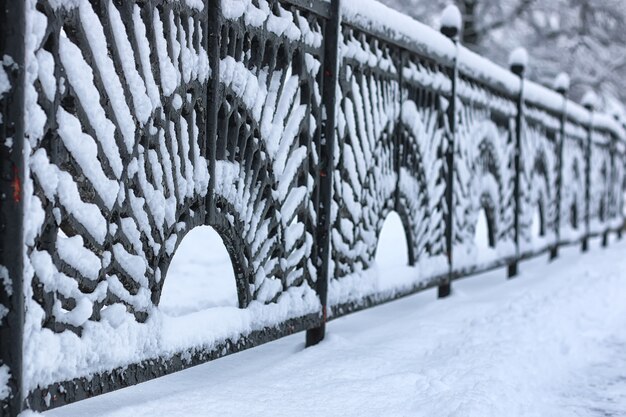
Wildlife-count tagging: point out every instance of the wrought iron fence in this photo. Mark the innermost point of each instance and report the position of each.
(293, 127)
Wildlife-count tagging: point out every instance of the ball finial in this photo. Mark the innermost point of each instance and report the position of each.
(451, 22)
(590, 100)
(518, 61)
(562, 83)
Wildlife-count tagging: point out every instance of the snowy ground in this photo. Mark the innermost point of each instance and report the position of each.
(551, 343)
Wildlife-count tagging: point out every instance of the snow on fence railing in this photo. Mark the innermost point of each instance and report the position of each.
(291, 127)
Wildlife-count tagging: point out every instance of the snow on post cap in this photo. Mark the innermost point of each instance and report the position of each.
(451, 21)
(518, 60)
(561, 83)
(590, 100)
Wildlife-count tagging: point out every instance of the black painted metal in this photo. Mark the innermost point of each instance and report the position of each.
(326, 165)
(519, 120)
(588, 142)
(12, 26)
(213, 94)
(445, 289)
(610, 177)
(554, 252)
(354, 173)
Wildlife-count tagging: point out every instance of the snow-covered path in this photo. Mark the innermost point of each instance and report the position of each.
(551, 343)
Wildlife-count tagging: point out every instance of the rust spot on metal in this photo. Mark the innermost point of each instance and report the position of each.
(17, 186)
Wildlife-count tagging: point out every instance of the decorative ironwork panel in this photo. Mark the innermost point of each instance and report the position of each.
(128, 123)
(483, 178)
(267, 137)
(572, 193)
(538, 185)
(600, 176)
(422, 138)
(124, 158)
(365, 176)
(116, 103)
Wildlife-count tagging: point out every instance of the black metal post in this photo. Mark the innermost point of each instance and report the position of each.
(445, 289)
(12, 36)
(213, 100)
(585, 242)
(608, 189)
(452, 32)
(613, 197)
(620, 197)
(518, 70)
(554, 252)
(397, 144)
(326, 165)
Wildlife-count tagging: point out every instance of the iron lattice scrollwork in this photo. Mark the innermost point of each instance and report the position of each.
(572, 195)
(365, 176)
(291, 127)
(108, 228)
(483, 171)
(267, 135)
(539, 179)
(600, 175)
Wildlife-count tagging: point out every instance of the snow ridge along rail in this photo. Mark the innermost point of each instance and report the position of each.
(293, 128)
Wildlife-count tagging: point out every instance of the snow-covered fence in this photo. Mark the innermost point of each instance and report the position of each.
(293, 127)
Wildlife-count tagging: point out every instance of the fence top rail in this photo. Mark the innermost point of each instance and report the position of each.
(487, 72)
(319, 7)
(543, 97)
(551, 101)
(398, 28)
(408, 33)
(402, 30)
(606, 122)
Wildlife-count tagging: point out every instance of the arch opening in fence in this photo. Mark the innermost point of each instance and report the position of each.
(393, 249)
(537, 229)
(200, 275)
(484, 238)
(574, 215)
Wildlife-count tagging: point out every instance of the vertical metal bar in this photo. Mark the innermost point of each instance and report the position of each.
(585, 242)
(554, 252)
(398, 147)
(445, 288)
(213, 99)
(614, 197)
(326, 165)
(12, 28)
(608, 197)
(519, 120)
(620, 193)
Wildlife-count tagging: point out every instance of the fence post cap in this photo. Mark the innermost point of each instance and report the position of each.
(562, 83)
(518, 61)
(451, 22)
(590, 100)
